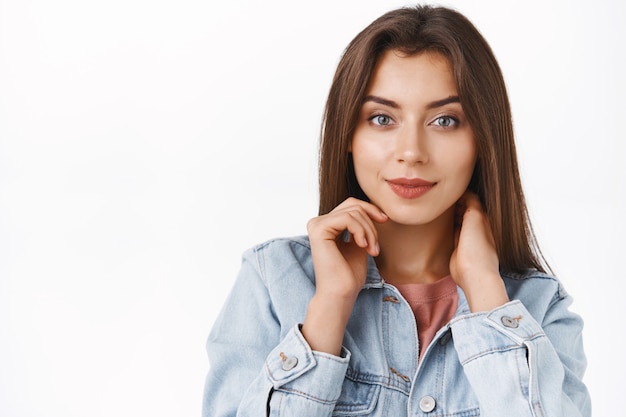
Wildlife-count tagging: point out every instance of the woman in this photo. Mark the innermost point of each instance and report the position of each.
(419, 289)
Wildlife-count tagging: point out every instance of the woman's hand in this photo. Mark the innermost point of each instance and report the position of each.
(340, 269)
(474, 263)
(340, 265)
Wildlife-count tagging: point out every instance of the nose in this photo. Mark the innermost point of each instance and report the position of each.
(411, 145)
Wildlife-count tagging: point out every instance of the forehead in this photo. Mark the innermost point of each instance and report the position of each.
(426, 73)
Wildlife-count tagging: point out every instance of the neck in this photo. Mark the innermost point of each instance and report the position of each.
(416, 254)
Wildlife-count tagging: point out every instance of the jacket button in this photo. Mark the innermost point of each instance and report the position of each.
(289, 363)
(427, 404)
(509, 322)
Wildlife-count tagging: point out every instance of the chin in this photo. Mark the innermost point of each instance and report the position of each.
(410, 219)
(419, 217)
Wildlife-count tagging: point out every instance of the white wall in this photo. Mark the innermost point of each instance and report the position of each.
(145, 144)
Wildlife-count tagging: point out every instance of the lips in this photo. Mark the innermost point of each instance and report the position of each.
(410, 188)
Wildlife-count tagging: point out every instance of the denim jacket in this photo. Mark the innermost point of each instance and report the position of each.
(524, 358)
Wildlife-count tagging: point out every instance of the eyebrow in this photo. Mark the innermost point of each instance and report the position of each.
(432, 105)
(380, 100)
(443, 102)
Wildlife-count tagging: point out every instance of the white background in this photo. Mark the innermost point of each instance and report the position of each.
(145, 144)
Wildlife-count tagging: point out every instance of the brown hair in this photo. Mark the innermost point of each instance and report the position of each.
(484, 98)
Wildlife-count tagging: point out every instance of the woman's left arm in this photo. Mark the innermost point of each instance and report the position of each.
(519, 367)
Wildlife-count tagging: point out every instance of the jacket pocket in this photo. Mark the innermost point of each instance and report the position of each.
(357, 398)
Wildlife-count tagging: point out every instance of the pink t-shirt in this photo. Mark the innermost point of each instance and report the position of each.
(433, 305)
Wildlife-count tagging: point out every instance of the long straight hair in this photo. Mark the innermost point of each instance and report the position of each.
(485, 102)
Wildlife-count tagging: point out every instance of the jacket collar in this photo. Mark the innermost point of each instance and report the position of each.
(375, 280)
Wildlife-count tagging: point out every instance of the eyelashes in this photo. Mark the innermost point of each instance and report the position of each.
(446, 122)
(443, 121)
(380, 119)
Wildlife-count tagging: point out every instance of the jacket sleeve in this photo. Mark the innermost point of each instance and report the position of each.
(261, 367)
(518, 367)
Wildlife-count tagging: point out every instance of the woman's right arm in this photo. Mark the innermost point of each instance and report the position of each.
(340, 269)
(257, 368)
(256, 365)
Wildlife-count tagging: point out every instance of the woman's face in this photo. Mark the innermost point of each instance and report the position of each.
(413, 149)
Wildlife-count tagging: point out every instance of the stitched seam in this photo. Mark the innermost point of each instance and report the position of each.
(492, 351)
(334, 359)
(306, 395)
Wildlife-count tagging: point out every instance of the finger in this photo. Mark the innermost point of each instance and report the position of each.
(471, 201)
(468, 208)
(348, 224)
(362, 228)
(372, 211)
(355, 216)
(474, 215)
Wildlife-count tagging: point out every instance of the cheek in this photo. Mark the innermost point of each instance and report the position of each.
(366, 156)
(362, 167)
(469, 155)
(468, 163)
(463, 164)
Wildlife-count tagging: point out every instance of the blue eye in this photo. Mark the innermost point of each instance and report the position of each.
(381, 120)
(446, 121)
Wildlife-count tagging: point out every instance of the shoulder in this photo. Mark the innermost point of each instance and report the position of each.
(534, 280)
(538, 291)
(281, 244)
(281, 249)
(281, 258)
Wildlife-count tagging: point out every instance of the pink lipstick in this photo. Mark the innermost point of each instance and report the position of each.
(410, 188)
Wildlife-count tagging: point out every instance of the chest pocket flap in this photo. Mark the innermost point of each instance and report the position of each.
(357, 398)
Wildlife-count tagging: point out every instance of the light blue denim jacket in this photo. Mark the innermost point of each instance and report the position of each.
(522, 359)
